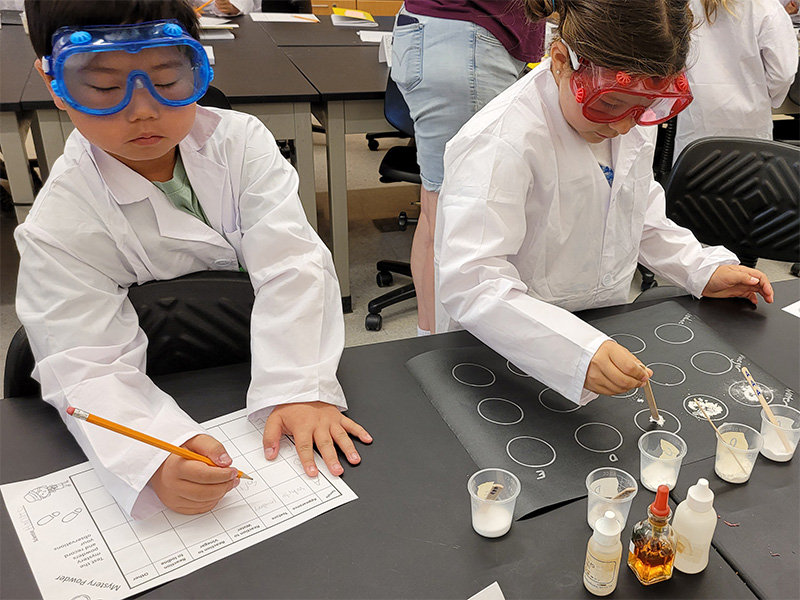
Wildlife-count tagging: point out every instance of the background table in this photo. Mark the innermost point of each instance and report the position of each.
(323, 33)
(409, 534)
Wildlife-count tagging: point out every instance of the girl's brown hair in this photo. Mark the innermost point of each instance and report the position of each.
(642, 37)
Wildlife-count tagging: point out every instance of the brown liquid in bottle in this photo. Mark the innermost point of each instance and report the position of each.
(651, 560)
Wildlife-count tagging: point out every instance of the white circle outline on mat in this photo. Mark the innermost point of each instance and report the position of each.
(699, 416)
(553, 409)
(655, 331)
(619, 433)
(644, 344)
(521, 412)
(629, 394)
(453, 372)
(518, 372)
(669, 365)
(730, 362)
(660, 411)
(746, 386)
(530, 437)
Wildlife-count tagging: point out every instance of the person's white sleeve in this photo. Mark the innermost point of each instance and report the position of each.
(673, 251)
(482, 222)
(778, 44)
(90, 353)
(297, 325)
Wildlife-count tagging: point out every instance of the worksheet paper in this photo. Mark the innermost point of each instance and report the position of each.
(80, 544)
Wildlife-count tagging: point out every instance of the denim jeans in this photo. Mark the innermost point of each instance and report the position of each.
(447, 70)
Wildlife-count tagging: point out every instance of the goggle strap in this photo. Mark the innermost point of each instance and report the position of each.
(46, 64)
(573, 58)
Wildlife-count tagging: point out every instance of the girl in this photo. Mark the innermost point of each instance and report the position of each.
(549, 200)
(744, 57)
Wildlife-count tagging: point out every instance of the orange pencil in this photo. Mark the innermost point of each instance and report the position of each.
(198, 9)
(143, 437)
(306, 19)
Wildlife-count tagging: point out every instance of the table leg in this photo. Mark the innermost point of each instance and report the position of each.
(13, 131)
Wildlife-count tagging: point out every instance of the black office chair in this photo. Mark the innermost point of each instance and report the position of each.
(399, 164)
(215, 98)
(740, 193)
(197, 321)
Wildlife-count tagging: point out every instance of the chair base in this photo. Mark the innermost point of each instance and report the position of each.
(373, 320)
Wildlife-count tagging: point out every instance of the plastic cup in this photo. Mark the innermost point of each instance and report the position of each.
(610, 489)
(493, 518)
(737, 449)
(661, 454)
(788, 425)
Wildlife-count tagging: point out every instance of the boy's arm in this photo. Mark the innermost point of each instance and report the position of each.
(673, 252)
(297, 324)
(91, 353)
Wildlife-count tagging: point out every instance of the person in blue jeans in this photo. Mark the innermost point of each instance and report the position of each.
(449, 59)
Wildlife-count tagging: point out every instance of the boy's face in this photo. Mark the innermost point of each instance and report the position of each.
(144, 134)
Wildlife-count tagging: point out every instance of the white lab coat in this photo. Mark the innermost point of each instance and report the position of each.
(97, 227)
(528, 229)
(739, 69)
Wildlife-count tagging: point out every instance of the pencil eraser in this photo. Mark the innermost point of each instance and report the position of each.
(70, 410)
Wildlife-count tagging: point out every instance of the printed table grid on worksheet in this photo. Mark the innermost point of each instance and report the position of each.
(280, 490)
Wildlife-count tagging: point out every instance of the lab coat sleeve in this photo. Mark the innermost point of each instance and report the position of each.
(778, 45)
(673, 252)
(297, 326)
(90, 353)
(481, 223)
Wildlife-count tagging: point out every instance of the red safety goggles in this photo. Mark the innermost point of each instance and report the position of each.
(608, 96)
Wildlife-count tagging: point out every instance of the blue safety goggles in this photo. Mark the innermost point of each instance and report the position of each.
(96, 69)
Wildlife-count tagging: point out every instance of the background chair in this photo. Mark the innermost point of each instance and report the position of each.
(399, 164)
(739, 193)
(197, 321)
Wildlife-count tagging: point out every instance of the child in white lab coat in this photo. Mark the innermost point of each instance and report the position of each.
(151, 186)
(549, 201)
(742, 62)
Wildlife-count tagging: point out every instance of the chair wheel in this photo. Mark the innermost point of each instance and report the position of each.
(373, 322)
(373, 145)
(646, 285)
(383, 279)
(402, 221)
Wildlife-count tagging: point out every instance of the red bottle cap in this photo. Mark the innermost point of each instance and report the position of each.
(660, 508)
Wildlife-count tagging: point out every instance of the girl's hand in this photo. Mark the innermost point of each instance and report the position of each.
(614, 370)
(736, 281)
(190, 486)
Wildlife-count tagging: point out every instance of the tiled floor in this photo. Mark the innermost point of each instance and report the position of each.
(368, 200)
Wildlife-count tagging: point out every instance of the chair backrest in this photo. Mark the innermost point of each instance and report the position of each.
(286, 6)
(396, 110)
(192, 322)
(214, 97)
(739, 193)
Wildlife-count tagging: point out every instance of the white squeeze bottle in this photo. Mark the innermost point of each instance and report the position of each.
(694, 524)
(603, 555)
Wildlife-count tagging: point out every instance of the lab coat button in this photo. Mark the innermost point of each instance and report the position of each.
(607, 279)
(223, 262)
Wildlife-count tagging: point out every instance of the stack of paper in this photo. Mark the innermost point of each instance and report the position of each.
(216, 34)
(348, 17)
(284, 17)
(216, 23)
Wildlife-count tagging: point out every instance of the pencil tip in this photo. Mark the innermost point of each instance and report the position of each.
(245, 476)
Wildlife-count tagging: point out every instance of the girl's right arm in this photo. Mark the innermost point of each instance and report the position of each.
(778, 44)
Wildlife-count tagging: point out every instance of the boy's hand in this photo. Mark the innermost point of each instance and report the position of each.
(224, 6)
(314, 423)
(614, 370)
(736, 281)
(190, 486)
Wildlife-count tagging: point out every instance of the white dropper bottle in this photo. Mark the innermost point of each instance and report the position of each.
(603, 556)
(694, 525)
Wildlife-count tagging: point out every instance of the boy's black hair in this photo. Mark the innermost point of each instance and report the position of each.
(46, 16)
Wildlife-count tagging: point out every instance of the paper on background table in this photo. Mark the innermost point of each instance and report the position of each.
(78, 541)
(210, 54)
(793, 309)
(490, 592)
(216, 34)
(284, 17)
(216, 23)
(373, 37)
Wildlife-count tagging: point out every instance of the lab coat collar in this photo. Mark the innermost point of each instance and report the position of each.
(207, 177)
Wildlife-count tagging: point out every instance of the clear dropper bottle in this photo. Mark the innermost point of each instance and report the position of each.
(652, 550)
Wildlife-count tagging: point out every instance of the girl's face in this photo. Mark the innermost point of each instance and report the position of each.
(592, 132)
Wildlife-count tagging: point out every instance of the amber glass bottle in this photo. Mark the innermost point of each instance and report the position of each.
(652, 549)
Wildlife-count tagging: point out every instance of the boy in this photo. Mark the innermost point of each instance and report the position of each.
(151, 186)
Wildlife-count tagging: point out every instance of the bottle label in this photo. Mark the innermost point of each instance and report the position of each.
(600, 572)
